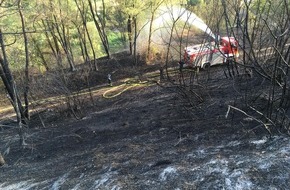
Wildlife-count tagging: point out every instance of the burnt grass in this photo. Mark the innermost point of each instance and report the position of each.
(155, 136)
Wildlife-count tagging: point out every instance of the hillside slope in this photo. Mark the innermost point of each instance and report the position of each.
(150, 137)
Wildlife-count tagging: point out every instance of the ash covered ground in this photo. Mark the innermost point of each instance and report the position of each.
(151, 137)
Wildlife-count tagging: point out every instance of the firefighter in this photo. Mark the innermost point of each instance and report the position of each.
(109, 76)
(230, 63)
(226, 56)
(227, 62)
(181, 63)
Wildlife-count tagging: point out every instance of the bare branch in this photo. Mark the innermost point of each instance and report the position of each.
(266, 125)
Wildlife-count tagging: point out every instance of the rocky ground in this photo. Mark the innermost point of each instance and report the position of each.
(151, 137)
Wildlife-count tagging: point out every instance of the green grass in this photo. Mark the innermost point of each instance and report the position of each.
(116, 41)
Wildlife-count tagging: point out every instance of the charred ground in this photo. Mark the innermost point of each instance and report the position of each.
(154, 135)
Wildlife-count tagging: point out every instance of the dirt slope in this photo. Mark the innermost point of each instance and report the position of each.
(149, 137)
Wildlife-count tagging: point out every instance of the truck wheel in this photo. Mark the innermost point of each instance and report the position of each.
(206, 66)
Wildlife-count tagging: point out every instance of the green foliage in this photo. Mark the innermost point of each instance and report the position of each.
(65, 16)
(193, 2)
(133, 7)
(116, 41)
(211, 12)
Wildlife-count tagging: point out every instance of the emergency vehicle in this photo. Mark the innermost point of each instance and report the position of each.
(213, 53)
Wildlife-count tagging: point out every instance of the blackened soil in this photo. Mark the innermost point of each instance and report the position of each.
(152, 137)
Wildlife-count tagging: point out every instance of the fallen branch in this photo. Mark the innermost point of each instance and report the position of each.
(266, 125)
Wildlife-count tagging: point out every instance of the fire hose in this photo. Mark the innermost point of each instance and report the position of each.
(115, 91)
(119, 89)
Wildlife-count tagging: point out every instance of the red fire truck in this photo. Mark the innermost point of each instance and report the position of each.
(213, 53)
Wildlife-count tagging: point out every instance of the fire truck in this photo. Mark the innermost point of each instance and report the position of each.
(212, 53)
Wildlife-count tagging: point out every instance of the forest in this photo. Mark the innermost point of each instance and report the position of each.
(65, 63)
(42, 36)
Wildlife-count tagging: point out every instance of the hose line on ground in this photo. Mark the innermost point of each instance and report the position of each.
(114, 91)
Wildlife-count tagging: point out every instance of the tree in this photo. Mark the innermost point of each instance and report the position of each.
(57, 25)
(12, 91)
(26, 83)
(264, 27)
(83, 12)
(133, 11)
(154, 5)
(22, 113)
(100, 23)
(62, 30)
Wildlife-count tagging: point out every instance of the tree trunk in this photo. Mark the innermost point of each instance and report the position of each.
(154, 8)
(40, 54)
(100, 28)
(82, 41)
(62, 38)
(135, 40)
(84, 20)
(149, 56)
(92, 47)
(13, 94)
(53, 44)
(26, 80)
(129, 28)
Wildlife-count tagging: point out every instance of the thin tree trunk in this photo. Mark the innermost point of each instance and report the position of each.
(26, 80)
(53, 45)
(135, 40)
(168, 49)
(129, 28)
(92, 47)
(153, 12)
(64, 43)
(149, 56)
(100, 28)
(82, 41)
(88, 34)
(13, 94)
(40, 54)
